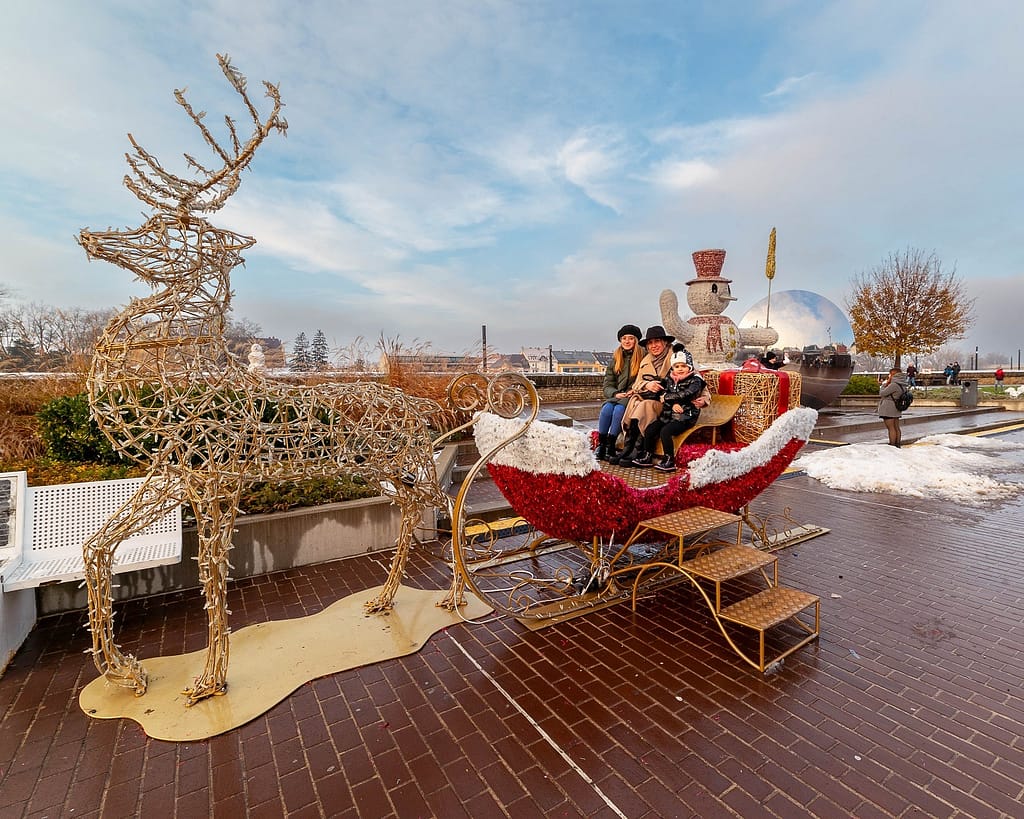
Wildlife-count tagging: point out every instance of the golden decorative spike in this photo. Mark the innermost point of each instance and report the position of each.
(769, 271)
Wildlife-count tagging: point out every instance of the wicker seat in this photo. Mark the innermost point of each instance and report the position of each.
(718, 413)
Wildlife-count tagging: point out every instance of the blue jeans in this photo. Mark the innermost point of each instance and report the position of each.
(610, 418)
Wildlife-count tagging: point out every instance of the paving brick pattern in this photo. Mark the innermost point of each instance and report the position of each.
(910, 705)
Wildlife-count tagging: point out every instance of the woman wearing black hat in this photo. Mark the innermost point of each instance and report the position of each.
(617, 378)
(644, 404)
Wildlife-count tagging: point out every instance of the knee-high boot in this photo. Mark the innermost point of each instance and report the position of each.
(604, 444)
(631, 444)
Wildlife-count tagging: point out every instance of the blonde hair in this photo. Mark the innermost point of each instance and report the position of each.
(634, 362)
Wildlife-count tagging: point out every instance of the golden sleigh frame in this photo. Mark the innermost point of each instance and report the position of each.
(557, 560)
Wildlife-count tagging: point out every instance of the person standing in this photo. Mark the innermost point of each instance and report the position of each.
(644, 404)
(1000, 375)
(956, 373)
(912, 375)
(618, 377)
(890, 414)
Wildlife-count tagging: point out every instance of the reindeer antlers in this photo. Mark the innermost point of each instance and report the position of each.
(163, 190)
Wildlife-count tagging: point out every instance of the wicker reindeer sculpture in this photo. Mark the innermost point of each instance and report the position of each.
(167, 392)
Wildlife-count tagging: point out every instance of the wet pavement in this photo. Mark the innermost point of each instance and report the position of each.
(909, 705)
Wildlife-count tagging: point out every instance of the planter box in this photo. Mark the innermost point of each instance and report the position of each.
(261, 544)
(267, 543)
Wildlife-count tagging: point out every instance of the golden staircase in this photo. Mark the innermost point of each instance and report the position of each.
(717, 563)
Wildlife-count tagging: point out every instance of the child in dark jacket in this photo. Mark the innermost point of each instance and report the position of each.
(684, 394)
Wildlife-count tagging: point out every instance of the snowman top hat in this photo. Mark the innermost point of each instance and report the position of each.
(709, 266)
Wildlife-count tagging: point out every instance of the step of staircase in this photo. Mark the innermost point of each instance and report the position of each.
(728, 563)
(768, 608)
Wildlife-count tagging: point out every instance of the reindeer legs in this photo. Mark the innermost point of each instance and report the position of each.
(149, 503)
(215, 519)
(385, 601)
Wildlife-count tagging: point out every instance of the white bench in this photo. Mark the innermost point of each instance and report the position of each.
(17, 608)
(53, 522)
(12, 519)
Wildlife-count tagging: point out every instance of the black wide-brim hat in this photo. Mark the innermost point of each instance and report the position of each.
(657, 331)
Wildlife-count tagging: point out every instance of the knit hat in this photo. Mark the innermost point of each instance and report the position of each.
(629, 330)
(680, 355)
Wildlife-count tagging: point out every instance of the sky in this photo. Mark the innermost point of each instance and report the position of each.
(542, 167)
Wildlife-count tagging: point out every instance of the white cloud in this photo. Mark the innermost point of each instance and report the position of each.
(302, 231)
(791, 85)
(681, 174)
(448, 141)
(590, 160)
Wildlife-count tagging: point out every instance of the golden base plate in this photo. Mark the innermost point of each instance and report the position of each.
(270, 660)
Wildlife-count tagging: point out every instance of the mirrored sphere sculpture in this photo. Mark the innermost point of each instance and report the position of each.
(815, 336)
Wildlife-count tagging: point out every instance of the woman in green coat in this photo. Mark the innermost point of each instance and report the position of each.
(618, 377)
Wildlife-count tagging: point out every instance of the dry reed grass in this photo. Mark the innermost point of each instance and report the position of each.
(21, 397)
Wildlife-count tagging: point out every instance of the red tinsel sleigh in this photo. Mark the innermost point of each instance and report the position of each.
(550, 476)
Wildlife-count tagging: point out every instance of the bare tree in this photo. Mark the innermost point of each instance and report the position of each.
(50, 337)
(7, 331)
(907, 305)
(937, 360)
(37, 326)
(864, 362)
(240, 334)
(75, 333)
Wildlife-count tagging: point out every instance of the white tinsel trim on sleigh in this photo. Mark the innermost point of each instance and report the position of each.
(715, 466)
(544, 448)
(550, 449)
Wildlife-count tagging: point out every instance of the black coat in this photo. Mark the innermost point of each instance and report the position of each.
(684, 392)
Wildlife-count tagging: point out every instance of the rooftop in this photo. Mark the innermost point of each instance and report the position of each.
(909, 705)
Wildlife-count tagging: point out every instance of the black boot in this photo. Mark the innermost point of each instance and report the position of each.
(632, 441)
(602, 447)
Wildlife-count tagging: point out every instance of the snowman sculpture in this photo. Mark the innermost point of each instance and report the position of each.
(711, 337)
(257, 360)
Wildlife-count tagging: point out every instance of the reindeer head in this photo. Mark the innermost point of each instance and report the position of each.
(169, 248)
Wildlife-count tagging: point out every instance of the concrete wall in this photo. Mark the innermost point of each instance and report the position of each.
(17, 616)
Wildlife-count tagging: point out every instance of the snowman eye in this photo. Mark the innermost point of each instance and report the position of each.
(714, 288)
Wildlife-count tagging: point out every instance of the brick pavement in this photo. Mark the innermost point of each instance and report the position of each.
(909, 706)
